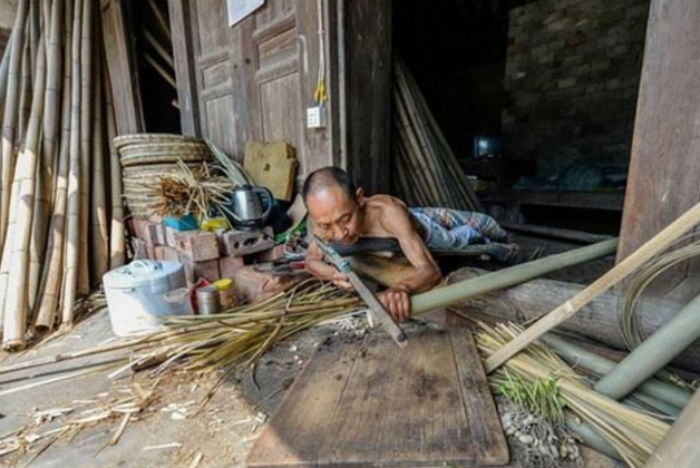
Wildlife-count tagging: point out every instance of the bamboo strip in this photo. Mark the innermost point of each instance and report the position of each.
(168, 77)
(160, 19)
(655, 245)
(72, 248)
(162, 51)
(9, 121)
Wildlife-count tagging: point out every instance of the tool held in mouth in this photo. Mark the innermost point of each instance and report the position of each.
(379, 313)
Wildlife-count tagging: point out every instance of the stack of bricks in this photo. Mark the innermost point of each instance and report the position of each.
(204, 254)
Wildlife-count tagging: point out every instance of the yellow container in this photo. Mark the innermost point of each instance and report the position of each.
(227, 296)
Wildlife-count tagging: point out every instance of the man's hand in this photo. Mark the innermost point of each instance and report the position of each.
(397, 302)
(341, 281)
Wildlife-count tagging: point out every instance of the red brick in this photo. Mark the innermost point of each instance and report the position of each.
(229, 266)
(195, 270)
(199, 246)
(151, 251)
(160, 234)
(167, 254)
(139, 247)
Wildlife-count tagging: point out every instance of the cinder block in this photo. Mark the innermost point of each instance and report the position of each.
(230, 266)
(237, 243)
(194, 270)
(199, 246)
(168, 254)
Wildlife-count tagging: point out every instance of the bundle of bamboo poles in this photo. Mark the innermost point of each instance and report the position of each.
(427, 171)
(61, 223)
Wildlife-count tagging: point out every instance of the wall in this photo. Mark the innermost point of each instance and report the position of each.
(571, 79)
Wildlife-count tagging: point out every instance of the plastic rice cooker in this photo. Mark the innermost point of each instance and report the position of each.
(137, 295)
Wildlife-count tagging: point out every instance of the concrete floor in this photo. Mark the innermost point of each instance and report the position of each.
(222, 432)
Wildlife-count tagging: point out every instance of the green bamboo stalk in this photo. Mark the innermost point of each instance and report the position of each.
(448, 295)
(599, 365)
(654, 353)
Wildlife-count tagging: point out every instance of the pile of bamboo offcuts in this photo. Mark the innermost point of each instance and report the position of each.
(61, 220)
(427, 171)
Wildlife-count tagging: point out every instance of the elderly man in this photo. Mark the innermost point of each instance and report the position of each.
(340, 212)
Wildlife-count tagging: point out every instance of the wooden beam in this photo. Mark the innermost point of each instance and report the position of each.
(664, 165)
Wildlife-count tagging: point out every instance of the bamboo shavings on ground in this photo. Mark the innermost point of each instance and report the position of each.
(632, 433)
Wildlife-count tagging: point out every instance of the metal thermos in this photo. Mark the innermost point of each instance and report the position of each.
(208, 300)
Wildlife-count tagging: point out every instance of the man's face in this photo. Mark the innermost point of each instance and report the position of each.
(336, 217)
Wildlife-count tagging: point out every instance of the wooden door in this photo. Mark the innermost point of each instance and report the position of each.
(254, 81)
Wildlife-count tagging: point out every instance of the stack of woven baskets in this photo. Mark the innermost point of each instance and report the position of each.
(147, 156)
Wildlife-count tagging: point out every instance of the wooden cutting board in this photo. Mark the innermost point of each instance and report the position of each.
(368, 403)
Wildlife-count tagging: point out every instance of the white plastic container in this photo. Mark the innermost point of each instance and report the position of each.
(137, 295)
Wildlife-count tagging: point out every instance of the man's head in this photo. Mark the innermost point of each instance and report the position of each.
(334, 204)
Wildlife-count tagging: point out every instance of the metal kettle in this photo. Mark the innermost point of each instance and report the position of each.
(251, 207)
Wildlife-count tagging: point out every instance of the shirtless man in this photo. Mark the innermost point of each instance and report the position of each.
(341, 213)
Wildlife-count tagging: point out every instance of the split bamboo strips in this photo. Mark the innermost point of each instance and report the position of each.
(430, 173)
(57, 197)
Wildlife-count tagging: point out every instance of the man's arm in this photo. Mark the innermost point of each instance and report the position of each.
(396, 299)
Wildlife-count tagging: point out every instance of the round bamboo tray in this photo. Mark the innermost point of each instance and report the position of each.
(140, 138)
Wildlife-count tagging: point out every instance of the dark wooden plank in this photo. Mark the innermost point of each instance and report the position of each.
(181, 27)
(128, 109)
(367, 77)
(369, 404)
(589, 200)
(664, 165)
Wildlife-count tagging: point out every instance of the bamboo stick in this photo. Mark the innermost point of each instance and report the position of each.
(17, 305)
(25, 99)
(99, 236)
(53, 269)
(9, 120)
(86, 89)
(158, 47)
(654, 353)
(655, 245)
(72, 247)
(160, 19)
(160, 70)
(5, 68)
(117, 239)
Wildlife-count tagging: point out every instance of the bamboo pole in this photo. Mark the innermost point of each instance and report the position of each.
(654, 353)
(17, 305)
(655, 388)
(52, 35)
(117, 254)
(99, 236)
(53, 269)
(655, 245)
(162, 51)
(86, 89)
(680, 448)
(161, 71)
(72, 247)
(9, 120)
(5, 68)
(160, 19)
(448, 295)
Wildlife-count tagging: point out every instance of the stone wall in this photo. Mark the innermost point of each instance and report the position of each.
(571, 79)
